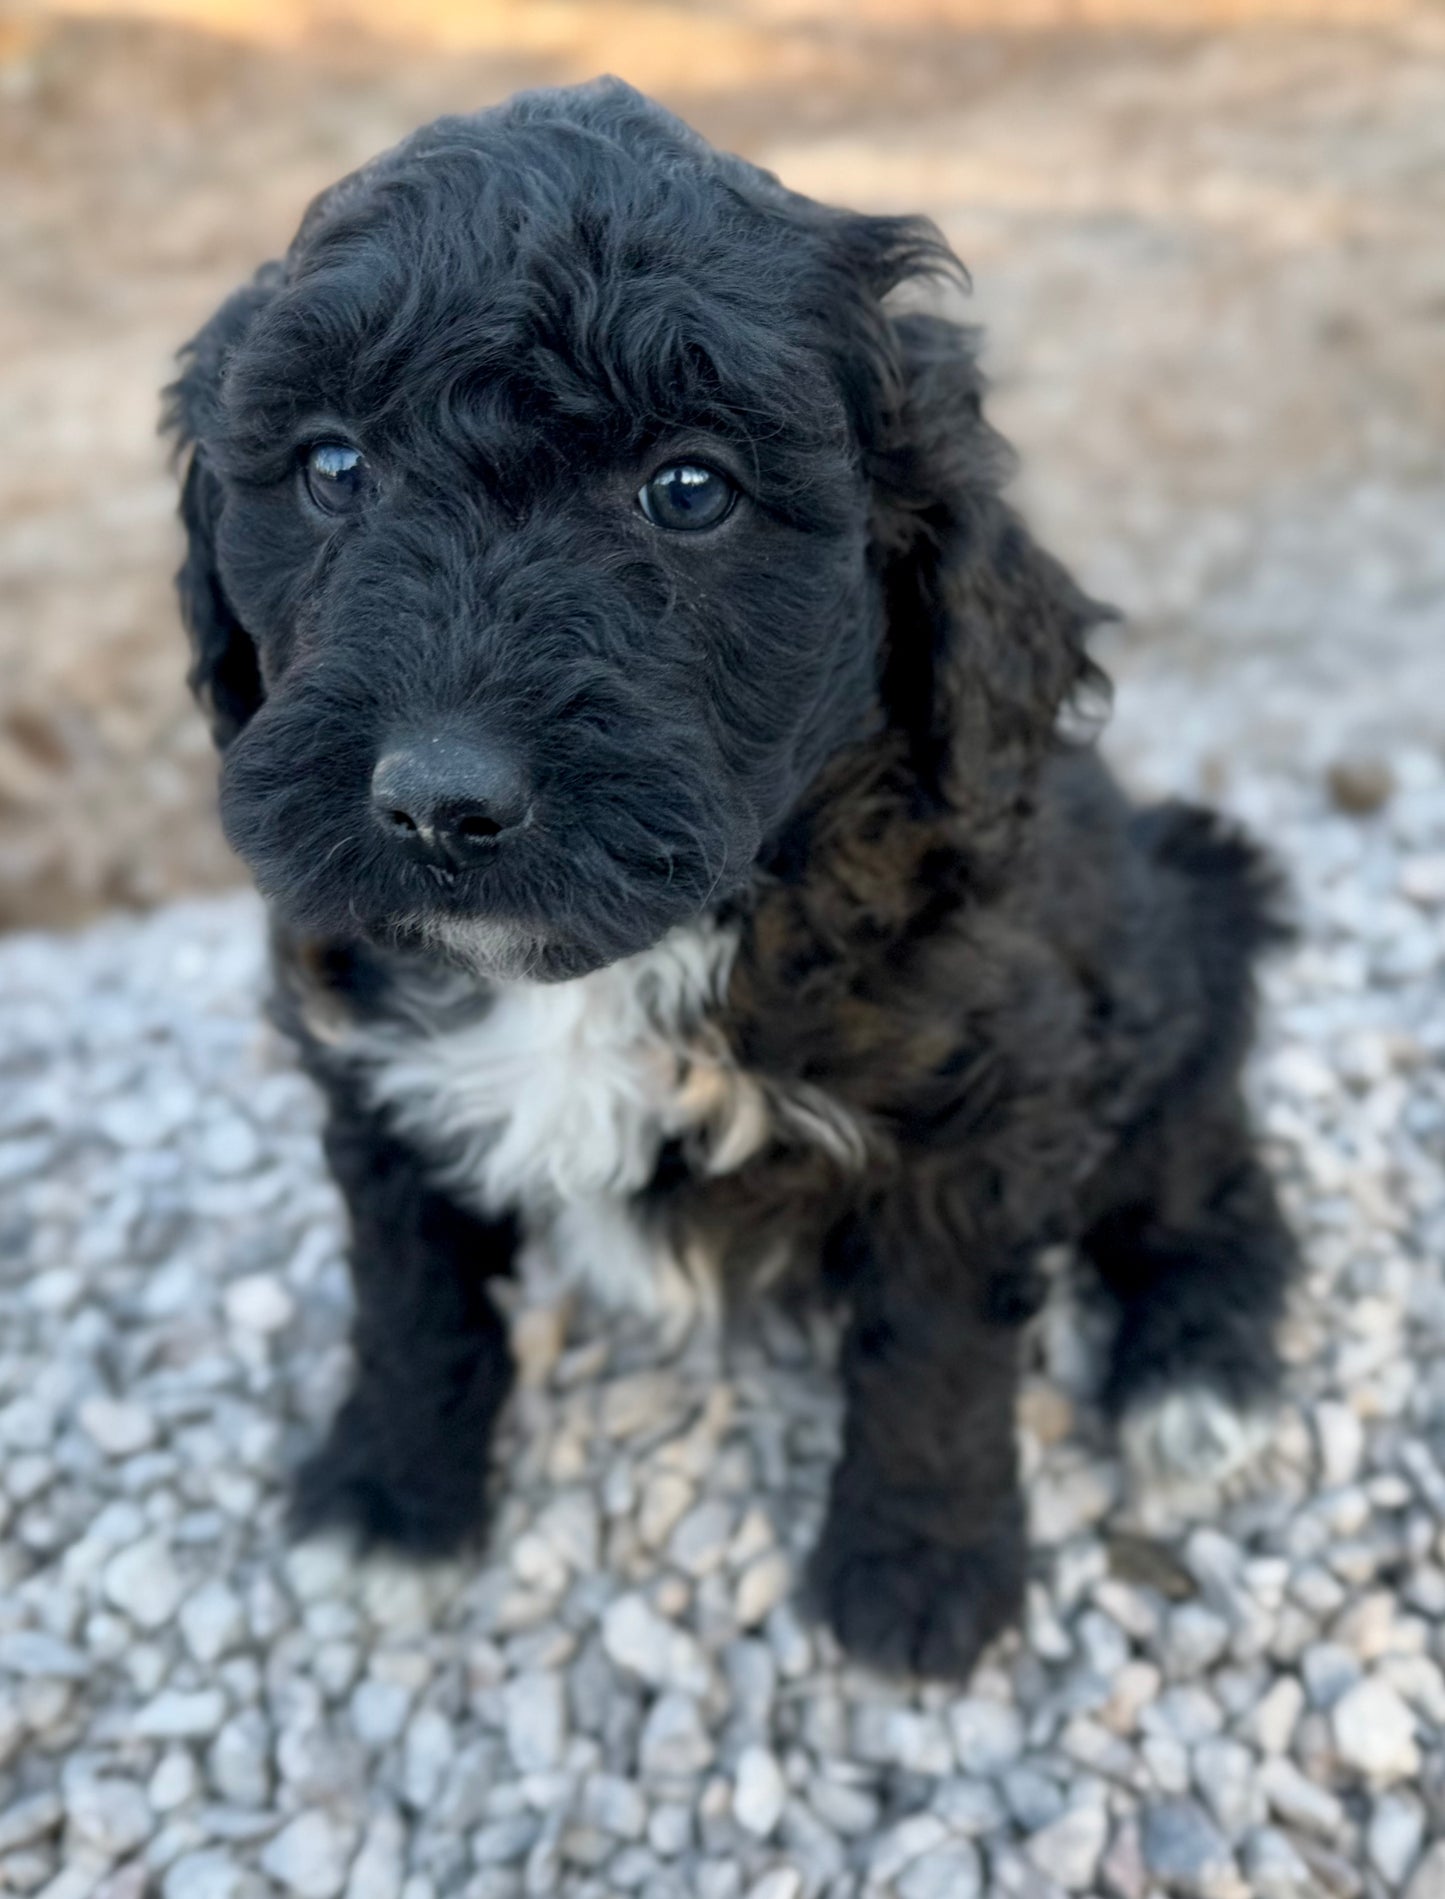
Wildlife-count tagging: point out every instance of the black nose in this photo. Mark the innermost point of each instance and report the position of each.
(448, 799)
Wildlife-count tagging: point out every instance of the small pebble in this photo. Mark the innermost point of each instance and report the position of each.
(1274, 1867)
(987, 1735)
(536, 1719)
(1184, 1849)
(759, 1793)
(239, 1760)
(761, 1587)
(1394, 1835)
(212, 1621)
(211, 1873)
(640, 1640)
(110, 1815)
(182, 1715)
(309, 1857)
(174, 1782)
(30, 1652)
(952, 1871)
(1360, 785)
(1375, 1732)
(259, 1303)
(144, 1583)
(674, 1738)
(615, 1805)
(1272, 1722)
(1298, 1800)
(119, 1429)
(1068, 1850)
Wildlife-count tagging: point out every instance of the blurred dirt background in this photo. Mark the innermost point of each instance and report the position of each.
(1208, 242)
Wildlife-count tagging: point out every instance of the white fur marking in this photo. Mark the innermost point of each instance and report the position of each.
(561, 1091)
(600, 1244)
(1192, 1436)
(557, 1100)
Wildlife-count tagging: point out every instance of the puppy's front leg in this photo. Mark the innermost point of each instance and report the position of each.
(921, 1559)
(405, 1463)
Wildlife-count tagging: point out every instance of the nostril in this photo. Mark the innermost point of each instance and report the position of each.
(478, 825)
(401, 820)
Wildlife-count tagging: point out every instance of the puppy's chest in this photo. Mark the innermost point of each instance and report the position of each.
(547, 1096)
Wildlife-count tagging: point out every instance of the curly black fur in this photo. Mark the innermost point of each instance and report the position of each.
(832, 722)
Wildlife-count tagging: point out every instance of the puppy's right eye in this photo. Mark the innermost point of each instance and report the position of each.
(685, 497)
(335, 476)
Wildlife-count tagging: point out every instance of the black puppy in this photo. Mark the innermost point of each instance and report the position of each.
(642, 714)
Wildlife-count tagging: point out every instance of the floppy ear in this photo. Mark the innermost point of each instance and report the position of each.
(225, 674)
(986, 633)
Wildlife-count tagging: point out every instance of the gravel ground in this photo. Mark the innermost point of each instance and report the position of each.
(623, 1698)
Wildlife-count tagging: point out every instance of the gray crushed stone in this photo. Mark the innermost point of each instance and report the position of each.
(1214, 1697)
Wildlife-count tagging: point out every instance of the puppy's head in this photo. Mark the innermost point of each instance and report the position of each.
(548, 506)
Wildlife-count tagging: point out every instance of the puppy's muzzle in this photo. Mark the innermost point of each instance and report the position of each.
(448, 801)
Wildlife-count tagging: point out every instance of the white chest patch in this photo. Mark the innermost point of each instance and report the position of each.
(557, 1100)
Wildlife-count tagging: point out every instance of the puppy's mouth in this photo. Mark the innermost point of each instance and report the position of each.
(494, 951)
(584, 885)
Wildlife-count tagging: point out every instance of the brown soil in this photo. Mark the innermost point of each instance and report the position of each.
(1210, 261)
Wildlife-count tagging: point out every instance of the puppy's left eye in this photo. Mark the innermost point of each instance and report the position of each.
(335, 475)
(686, 496)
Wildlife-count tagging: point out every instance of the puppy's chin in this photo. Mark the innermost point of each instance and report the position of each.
(502, 952)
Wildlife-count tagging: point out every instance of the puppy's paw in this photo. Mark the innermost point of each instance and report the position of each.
(1194, 1435)
(411, 1497)
(1189, 1452)
(904, 1605)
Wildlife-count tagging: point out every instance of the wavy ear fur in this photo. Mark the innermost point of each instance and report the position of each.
(986, 642)
(225, 675)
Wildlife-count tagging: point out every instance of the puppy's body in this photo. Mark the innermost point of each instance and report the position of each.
(797, 1051)
(700, 881)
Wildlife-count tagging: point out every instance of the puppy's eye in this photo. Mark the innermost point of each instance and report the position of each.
(686, 496)
(335, 476)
